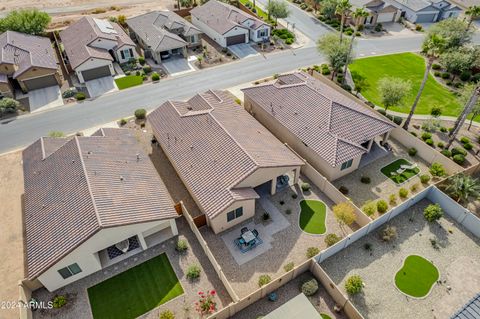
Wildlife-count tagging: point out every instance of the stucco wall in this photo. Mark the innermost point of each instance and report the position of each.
(215, 36)
(7, 69)
(253, 34)
(91, 64)
(118, 55)
(6, 90)
(219, 223)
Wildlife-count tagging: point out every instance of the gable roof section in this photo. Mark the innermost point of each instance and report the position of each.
(77, 37)
(26, 51)
(75, 187)
(416, 5)
(331, 124)
(223, 17)
(213, 143)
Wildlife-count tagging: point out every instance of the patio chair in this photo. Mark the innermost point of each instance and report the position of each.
(409, 167)
(255, 232)
(244, 230)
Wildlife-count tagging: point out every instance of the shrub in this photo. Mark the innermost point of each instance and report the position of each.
(425, 178)
(305, 187)
(182, 245)
(459, 159)
(266, 216)
(331, 239)
(70, 92)
(167, 314)
(282, 202)
(367, 246)
(382, 111)
(310, 287)
(464, 140)
(288, 41)
(397, 120)
(289, 266)
(141, 60)
(123, 122)
(458, 150)
(440, 145)
(465, 75)
(80, 96)
(476, 78)
(344, 213)
(140, 114)
(445, 75)
(369, 208)
(433, 212)
(436, 66)
(346, 87)
(437, 74)
(437, 170)
(446, 153)
(238, 101)
(378, 28)
(312, 251)
(288, 211)
(412, 151)
(382, 206)
(56, 134)
(468, 146)
(392, 199)
(418, 27)
(388, 233)
(426, 136)
(429, 142)
(414, 188)
(263, 280)
(403, 193)
(365, 180)
(193, 271)
(449, 83)
(59, 301)
(326, 71)
(443, 129)
(414, 134)
(343, 190)
(436, 111)
(354, 285)
(155, 76)
(147, 69)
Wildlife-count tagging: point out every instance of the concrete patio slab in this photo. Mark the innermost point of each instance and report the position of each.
(45, 98)
(243, 50)
(101, 86)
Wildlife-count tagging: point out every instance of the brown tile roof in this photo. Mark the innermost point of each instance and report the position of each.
(223, 17)
(75, 187)
(213, 143)
(330, 123)
(26, 51)
(77, 37)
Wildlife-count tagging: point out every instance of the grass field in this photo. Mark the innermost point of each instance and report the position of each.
(135, 291)
(312, 216)
(406, 175)
(416, 277)
(128, 81)
(408, 66)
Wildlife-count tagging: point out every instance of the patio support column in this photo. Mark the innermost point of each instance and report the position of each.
(273, 186)
(173, 226)
(296, 175)
(370, 145)
(142, 241)
(385, 137)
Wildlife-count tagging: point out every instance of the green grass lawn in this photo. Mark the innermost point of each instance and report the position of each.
(135, 291)
(129, 81)
(416, 277)
(408, 66)
(312, 216)
(406, 175)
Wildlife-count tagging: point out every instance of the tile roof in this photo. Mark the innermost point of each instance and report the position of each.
(223, 17)
(77, 37)
(469, 311)
(331, 124)
(415, 5)
(76, 186)
(213, 143)
(26, 51)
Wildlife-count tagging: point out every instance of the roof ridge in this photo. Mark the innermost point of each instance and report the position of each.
(372, 116)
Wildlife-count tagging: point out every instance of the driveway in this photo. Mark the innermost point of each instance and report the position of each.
(178, 65)
(101, 86)
(243, 50)
(45, 98)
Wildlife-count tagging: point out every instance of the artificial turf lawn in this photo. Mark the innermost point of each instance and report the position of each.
(407, 66)
(135, 291)
(386, 170)
(312, 216)
(416, 277)
(128, 81)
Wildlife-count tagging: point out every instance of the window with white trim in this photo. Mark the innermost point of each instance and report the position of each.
(346, 164)
(69, 271)
(234, 214)
(262, 33)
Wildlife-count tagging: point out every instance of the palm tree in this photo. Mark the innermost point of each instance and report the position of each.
(343, 8)
(432, 47)
(472, 12)
(463, 187)
(463, 116)
(357, 15)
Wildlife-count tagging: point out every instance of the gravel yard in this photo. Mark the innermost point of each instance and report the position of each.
(457, 259)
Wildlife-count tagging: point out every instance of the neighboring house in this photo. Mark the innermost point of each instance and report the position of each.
(163, 33)
(329, 130)
(90, 202)
(27, 62)
(91, 45)
(221, 153)
(379, 12)
(426, 11)
(228, 25)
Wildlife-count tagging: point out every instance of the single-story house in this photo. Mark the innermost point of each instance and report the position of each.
(163, 33)
(426, 11)
(228, 25)
(90, 202)
(91, 45)
(28, 61)
(329, 130)
(379, 12)
(222, 154)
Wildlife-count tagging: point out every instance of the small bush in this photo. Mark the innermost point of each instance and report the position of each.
(312, 251)
(266, 216)
(294, 195)
(140, 114)
(155, 76)
(445, 75)
(182, 245)
(418, 27)
(429, 142)
(397, 120)
(147, 69)
(458, 150)
(382, 111)
(193, 271)
(437, 74)
(412, 151)
(449, 83)
(425, 178)
(459, 159)
(288, 211)
(310, 287)
(464, 140)
(282, 202)
(382, 206)
(123, 122)
(365, 180)
(167, 314)
(56, 134)
(141, 60)
(426, 136)
(414, 188)
(331, 239)
(443, 129)
(354, 285)
(369, 208)
(436, 66)
(288, 41)
(446, 153)
(80, 96)
(392, 199)
(437, 170)
(436, 111)
(465, 75)
(263, 280)
(238, 101)
(403, 193)
(367, 246)
(343, 190)
(59, 301)
(70, 92)
(414, 134)
(289, 266)
(468, 146)
(326, 71)
(388, 233)
(433, 212)
(305, 187)
(440, 144)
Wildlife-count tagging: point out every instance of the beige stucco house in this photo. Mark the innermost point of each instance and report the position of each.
(328, 129)
(222, 154)
(90, 202)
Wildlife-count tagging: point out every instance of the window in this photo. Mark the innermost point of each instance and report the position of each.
(122, 54)
(262, 33)
(234, 214)
(69, 271)
(346, 165)
(239, 212)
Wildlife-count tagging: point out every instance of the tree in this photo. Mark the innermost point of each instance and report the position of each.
(453, 31)
(30, 21)
(8, 106)
(122, 20)
(472, 101)
(345, 214)
(360, 82)
(343, 8)
(393, 91)
(472, 13)
(432, 47)
(457, 61)
(328, 8)
(465, 95)
(436, 111)
(186, 3)
(277, 9)
(463, 188)
(337, 52)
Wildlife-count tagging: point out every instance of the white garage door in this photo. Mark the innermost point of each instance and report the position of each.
(385, 17)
